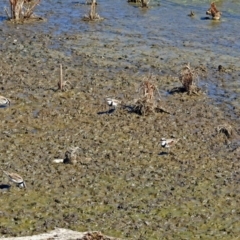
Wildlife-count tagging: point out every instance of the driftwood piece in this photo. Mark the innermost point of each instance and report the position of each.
(65, 234)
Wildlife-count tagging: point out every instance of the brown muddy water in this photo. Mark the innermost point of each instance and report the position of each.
(123, 183)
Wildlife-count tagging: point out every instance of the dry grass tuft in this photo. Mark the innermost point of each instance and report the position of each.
(21, 10)
(188, 77)
(144, 3)
(191, 14)
(149, 96)
(93, 15)
(146, 103)
(71, 155)
(147, 88)
(144, 106)
(225, 128)
(213, 11)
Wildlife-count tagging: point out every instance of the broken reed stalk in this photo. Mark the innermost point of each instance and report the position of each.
(17, 7)
(145, 3)
(148, 89)
(92, 13)
(71, 155)
(147, 102)
(6, 11)
(89, 2)
(60, 83)
(29, 10)
(188, 77)
(22, 9)
(63, 85)
(213, 11)
(92, 16)
(227, 129)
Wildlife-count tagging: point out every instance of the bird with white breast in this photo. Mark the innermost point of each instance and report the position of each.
(168, 143)
(14, 177)
(4, 102)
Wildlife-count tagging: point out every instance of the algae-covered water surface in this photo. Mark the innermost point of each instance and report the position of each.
(124, 183)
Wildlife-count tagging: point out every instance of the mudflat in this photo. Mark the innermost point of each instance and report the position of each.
(124, 183)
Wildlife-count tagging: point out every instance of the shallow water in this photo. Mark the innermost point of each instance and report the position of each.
(122, 184)
(163, 31)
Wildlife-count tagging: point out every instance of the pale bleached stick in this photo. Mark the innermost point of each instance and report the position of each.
(60, 83)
